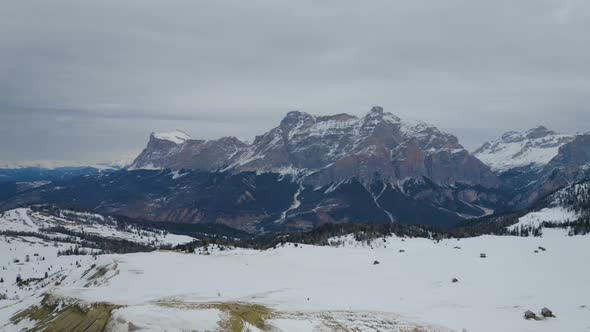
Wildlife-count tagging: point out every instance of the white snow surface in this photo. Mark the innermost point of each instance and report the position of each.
(42, 258)
(175, 136)
(294, 205)
(312, 288)
(26, 220)
(555, 214)
(560, 209)
(517, 149)
(305, 283)
(154, 318)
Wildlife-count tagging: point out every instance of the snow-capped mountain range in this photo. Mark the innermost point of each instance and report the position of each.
(537, 162)
(323, 149)
(322, 146)
(311, 170)
(532, 148)
(56, 164)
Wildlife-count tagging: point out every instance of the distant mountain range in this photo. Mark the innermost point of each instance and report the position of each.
(310, 170)
(534, 148)
(57, 164)
(324, 149)
(29, 174)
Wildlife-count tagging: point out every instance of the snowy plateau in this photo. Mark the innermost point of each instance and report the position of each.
(175, 136)
(386, 284)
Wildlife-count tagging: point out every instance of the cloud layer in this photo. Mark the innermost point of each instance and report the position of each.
(83, 80)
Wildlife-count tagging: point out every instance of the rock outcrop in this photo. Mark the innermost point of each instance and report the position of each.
(162, 152)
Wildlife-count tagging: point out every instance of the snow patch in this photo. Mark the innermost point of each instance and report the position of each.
(296, 203)
(154, 318)
(176, 136)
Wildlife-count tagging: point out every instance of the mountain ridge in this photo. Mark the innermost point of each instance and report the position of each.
(532, 148)
(324, 149)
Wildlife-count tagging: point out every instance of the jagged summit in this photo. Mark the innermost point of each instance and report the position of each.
(376, 109)
(539, 132)
(294, 117)
(334, 147)
(534, 147)
(531, 134)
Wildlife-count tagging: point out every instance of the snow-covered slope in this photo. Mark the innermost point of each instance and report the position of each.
(36, 260)
(564, 207)
(555, 214)
(535, 147)
(41, 251)
(29, 221)
(309, 288)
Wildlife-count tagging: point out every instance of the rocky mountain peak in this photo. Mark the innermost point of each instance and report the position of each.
(336, 117)
(333, 148)
(534, 147)
(511, 136)
(294, 117)
(380, 120)
(539, 132)
(376, 109)
(231, 140)
(176, 150)
(531, 134)
(175, 136)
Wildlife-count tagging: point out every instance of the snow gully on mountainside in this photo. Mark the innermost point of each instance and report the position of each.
(376, 199)
(296, 203)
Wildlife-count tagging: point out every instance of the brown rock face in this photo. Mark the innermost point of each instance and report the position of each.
(411, 160)
(325, 149)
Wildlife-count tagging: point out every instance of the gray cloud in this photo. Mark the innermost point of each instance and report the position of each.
(90, 80)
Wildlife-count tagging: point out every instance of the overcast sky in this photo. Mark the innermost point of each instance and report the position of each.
(89, 80)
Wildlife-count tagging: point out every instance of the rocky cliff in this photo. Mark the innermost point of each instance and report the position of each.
(325, 149)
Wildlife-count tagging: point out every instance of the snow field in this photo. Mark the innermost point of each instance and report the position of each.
(491, 295)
